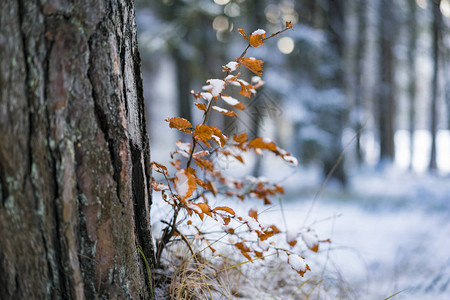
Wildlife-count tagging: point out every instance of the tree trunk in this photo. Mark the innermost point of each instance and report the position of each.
(359, 78)
(386, 86)
(75, 187)
(335, 26)
(435, 84)
(412, 24)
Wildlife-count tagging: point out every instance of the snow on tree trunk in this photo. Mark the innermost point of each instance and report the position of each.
(74, 153)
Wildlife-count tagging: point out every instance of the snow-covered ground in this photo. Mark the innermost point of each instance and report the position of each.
(389, 231)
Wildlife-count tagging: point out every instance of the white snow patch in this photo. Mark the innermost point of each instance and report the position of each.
(232, 65)
(207, 96)
(181, 185)
(230, 100)
(297, 263)
(291, 159)
(291, 236)
(259, 32)
(219, 109)
(195, 208)
(256, 80)
(310, 238)
(252, 224)
(184, 146)
(217, 86)
(207, 87)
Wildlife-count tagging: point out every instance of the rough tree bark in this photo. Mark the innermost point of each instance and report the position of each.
(74, 154)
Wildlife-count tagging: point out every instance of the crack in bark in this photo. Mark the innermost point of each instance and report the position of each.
(59, 279)
(29, 173)
(3, 187)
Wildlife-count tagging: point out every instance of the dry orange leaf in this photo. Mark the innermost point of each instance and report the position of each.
(241, 31)
(219, 138)
(288, 24)
(256, 39)
(200, 106)
(181, 124)
(185, 183)
(275, 229)
(240, 138)
(253, 213)
(158, 186)
(226, 112)
(261, 143)
(158, 167)
(212, 187)
(253, 64)
(205, 208)
(239, 158)
(226, 209)
(203, 133)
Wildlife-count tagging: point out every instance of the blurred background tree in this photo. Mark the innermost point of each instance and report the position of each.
(364, 78)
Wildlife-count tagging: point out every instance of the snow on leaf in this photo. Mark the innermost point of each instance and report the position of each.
(291, 160)
(205, 208)
(231, 66)
(184, 146)
(256, 39)
(185, 183)
(257, 82)
(298, 264)
(253, 64)
(181, 124)
(216, 139)
(311, 240)
(217, 86)
(218, 136)
(226, 112)
(251, 223)
(196, 209)
(206, 95)
(263, 245)
(233, 102)
(228, 228)
(158, 167)
(291, 238)
(158, 186)
(200, 154)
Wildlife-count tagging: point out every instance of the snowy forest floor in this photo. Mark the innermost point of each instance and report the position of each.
(389, 232)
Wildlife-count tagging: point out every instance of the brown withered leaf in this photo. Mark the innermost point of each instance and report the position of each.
(253, 64)
(181, 124)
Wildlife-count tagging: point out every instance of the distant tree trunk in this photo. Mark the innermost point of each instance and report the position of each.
(412, 25)
(75, 187)
(386, 85)
(435, 84)
(258, 20)
(335, 25)
(359, 79)
(183, 85)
